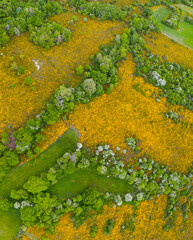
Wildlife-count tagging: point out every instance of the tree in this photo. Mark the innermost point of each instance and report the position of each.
(89, 86)
(5, 204)
(79, 70)
(19, 194)
(35, 185)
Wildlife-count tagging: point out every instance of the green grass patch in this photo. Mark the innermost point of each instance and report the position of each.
(185, 33)
(9, 223)
(72, 185)
(19, 175)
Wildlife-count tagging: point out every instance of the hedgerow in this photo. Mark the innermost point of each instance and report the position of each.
(103, 11)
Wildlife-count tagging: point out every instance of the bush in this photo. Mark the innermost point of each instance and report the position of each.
(20, 70)
(4, 38)
(74, 18)
(79, 70)
(93, 231)
(110, 223)
(29, 80)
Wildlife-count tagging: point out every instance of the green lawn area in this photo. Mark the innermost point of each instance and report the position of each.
(185, 33)
(9, 224)
(19, 175)
(72, 185)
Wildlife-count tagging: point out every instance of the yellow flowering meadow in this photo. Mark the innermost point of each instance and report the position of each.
(56, 67)
(162, 45)
(130, 110)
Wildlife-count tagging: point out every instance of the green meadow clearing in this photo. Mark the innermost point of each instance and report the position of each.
(185, 33)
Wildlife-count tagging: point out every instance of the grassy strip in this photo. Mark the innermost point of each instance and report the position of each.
(10, 222)
(73, 185)
(185, 33)
(19, 175)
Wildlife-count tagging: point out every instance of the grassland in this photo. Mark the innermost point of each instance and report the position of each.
(185, 33)
(9, 224)
(72, 185)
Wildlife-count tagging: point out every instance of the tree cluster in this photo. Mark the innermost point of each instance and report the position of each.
(19, 16)
(103, 11)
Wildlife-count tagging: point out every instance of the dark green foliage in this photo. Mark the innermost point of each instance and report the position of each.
(191, 206)
(110, 223)
(51, 114)
(147, 12)
(49, 34)
(24, 138)
(45, 212)
(20, 70)
(5, 138)
(29, 80)
(19, 16)
(93, 231)
(4, 38)
(173, 115)
(100, 10)
(2, 148)
(8, 160)
(174, 79)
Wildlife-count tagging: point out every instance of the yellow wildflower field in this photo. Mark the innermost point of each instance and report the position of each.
(126, 112)
(175, 52)
(130, 110)
(56, 67)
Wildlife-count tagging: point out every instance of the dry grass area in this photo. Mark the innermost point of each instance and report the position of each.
(57, 66)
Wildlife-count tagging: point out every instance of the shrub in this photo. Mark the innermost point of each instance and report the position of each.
(80, 70)
(93, 231)
(20, 70)
(29, 80)
(4, 38)
(74, 18)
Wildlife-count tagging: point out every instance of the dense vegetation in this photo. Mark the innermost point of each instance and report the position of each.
(20, 16)
(100, 10)
(173, 19)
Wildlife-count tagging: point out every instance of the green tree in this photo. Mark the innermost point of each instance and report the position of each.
(35, 185)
